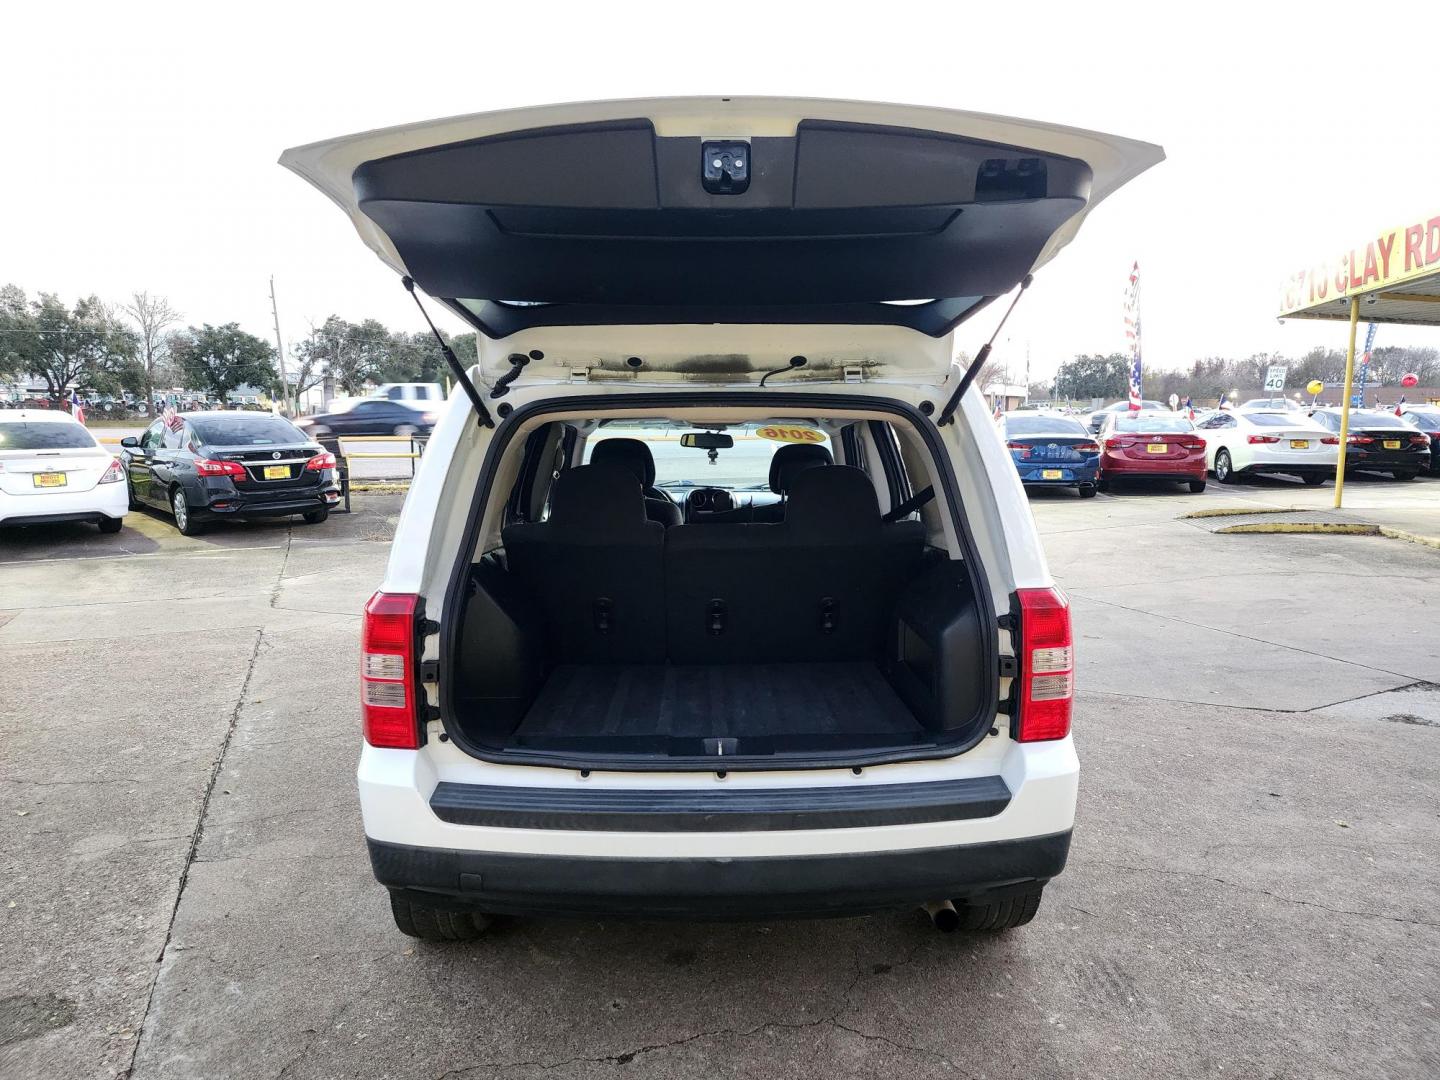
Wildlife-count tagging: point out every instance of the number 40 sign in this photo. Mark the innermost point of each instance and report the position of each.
(1275, 377)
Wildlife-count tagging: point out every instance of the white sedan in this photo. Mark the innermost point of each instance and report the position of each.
(52, 470)
(1243, 443)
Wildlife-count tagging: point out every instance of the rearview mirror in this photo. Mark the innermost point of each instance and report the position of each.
(130, 441)
(707, 440)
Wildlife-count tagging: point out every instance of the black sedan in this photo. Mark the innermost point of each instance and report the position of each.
(372, 416)
(1427, 419)
(204, 466)
(1380, 442)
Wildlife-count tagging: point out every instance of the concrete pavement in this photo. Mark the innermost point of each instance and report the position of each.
(1252, 891)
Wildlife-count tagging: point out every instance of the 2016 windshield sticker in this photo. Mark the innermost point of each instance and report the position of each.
(779, 433)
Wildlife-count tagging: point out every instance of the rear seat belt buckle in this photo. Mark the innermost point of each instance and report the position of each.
(715, 617)
(828, 619)
(604, 611)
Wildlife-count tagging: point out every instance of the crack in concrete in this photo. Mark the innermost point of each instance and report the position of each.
(284, 561)
(195, 838)
(1266, 892)
(1419, 684)
(1246, 637)
(831, 1020)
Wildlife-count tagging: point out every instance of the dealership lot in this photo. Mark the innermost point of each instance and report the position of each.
(1251, 891)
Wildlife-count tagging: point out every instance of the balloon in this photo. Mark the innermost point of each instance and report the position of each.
(1315, 386)
(1409, 379)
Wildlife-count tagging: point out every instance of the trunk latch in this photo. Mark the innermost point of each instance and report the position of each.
(715, 617)
(725, 167)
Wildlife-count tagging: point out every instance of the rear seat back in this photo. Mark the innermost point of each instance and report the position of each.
(820, 586)
(596, 568)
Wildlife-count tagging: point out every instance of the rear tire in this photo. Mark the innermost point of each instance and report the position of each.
(1405, 475)
(1197, 486)
(1103, 484)
(110, 525)
(1087, 491)
(316, 517)
(184, 518)
(1313, 480)
(435, 924)
(1004, 914)
(1224, 467)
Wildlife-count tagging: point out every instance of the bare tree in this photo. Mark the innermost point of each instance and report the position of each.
(153, 317)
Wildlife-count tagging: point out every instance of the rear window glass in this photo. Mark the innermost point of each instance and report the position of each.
(44, 436)
(745, 466)
(1043, 425)
(1147, 424)
(1266, 419)
(247, 431)
(1428, 421)
(1376, 420)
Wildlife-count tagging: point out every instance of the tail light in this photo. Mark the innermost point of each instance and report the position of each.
(1253, 439)
(321, 461)
(114, 473)
(1359, 440)
(1421, 439)
(428, 417)
(1116, 444)
(1192, 445)
(1022, 447)
(1087, 448)
(207, 467)
(387, 671)
(1331, 440)
(1047, 666)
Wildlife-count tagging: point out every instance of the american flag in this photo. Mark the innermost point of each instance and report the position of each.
(172, 418)
(1132, 334)
(1365, 365)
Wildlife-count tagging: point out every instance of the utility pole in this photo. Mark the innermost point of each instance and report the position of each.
(280, 349)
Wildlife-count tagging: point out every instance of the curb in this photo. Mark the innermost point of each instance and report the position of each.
(1227, 512)
(1410, 538)
(1333, 528)
(380, 488)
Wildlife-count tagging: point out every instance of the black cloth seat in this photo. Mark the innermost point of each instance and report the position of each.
(788, 462)
(634, 455)
(595, 567)
(819, 586)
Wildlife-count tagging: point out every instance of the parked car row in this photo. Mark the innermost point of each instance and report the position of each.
(196, 466)
(1117, 443)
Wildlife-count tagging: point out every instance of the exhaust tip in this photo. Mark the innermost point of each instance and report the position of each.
(943, 916)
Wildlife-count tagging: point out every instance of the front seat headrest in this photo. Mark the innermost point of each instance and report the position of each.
(631, 454)
(601, 502)
(793, 459)
(835, 505)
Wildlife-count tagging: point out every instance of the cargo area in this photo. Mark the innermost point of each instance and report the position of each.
(804, 628)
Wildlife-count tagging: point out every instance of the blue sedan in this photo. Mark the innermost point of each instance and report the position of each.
(1051, 450)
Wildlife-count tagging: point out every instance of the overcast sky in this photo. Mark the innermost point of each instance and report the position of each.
(140, 142)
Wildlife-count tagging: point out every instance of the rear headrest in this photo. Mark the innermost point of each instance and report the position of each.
(630, 454)
(601, 502)
(793, 459)
(835, 504)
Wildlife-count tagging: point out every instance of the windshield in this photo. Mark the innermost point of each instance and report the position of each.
(1044, 425)
(44, 436)
(248, 431)
(1153, 423)
(743, 467)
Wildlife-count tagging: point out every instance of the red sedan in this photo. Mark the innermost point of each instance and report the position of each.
(1159, 446)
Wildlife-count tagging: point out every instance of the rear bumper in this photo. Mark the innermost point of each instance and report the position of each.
(1190, 469)
(100, 502)
(815, 842)
(236, 503)
(1070, 475)
(815, 885)
(1383, 462)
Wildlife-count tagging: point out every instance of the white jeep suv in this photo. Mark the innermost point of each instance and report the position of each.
(716, 593)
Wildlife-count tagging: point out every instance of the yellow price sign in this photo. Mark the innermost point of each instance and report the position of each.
(785, 433)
